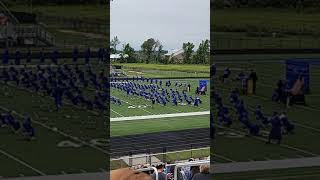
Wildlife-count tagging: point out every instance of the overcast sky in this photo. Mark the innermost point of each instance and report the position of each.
(173, 22)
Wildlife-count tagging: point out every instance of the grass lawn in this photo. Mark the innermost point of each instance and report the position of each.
(162, 71)
(167, 67)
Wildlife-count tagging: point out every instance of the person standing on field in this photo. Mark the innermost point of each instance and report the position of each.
(254, 78)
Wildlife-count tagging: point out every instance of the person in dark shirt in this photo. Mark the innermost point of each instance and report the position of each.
(253, 76)
(87, 56)
(42, 57)
(29, 56)
(17, 58)
(161, 174)
(55, 57)
(75, 55)
(275, 132)
(288, 126)
(213, 70)
(5, 57)
(226, 74)
(204, 173)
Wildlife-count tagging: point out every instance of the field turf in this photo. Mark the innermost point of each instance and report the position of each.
(137, 106)
(73, 140)
(303, 143)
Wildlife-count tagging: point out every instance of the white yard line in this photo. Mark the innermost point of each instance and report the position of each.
(116, 112)
(159, 116)
(21, 162)
(135, 105)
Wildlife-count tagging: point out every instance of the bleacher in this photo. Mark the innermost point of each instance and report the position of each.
(21, 29)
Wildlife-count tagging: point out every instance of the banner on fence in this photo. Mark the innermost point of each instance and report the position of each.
(296, 68)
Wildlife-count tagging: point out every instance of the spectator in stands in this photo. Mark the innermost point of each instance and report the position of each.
(204, 173)
(127, 174)
(194, 170)
(161, 174)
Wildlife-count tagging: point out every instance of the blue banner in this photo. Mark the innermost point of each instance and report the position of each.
(295, 69)
(203, 83)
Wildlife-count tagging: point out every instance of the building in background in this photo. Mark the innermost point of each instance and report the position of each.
(175, 55)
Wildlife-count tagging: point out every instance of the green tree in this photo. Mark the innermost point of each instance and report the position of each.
(148, 48)
(127, 49)
(202, 55)
(112, 51)
(188, 50)
(114, 43)
(159, 58)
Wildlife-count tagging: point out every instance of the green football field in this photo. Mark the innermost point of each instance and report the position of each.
(303, 143)
(157, 118)
(135, 106)
(73, 140)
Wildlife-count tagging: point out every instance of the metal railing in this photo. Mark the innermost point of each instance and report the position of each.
(35, 31)
(192, 163)
(7, 12)
(265, 43)
(147, 158)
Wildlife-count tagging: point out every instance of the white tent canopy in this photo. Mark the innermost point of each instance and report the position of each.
(118, 56)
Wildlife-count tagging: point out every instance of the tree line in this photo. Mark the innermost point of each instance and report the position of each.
(152, 52)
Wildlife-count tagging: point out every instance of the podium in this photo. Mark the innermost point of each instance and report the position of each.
(250, 87)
